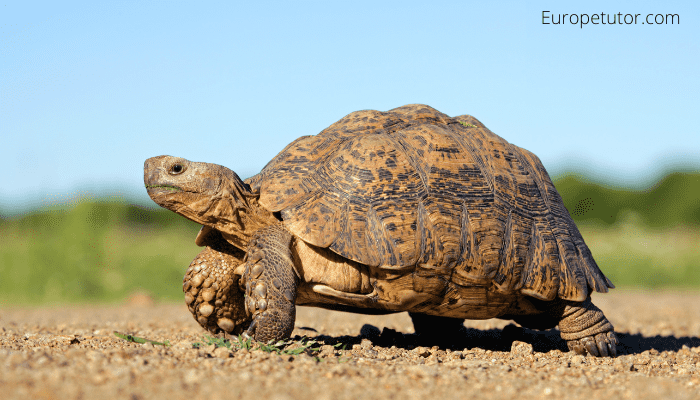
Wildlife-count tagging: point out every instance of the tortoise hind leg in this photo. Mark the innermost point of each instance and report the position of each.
(585, 329)
(436, 328)
(270, 285)
(582, 325)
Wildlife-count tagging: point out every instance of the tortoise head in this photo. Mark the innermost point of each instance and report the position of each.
(208, 194)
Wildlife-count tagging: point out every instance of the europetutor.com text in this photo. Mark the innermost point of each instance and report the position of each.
(548, 18)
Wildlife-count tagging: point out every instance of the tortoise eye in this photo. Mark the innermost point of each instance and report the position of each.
(177, 169)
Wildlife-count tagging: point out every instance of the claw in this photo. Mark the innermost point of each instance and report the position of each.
(602, 345)
(250, 332)
(612, 343)
(590, 346)
(249, 306)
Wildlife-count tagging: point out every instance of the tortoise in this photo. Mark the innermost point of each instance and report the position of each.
(382, 212)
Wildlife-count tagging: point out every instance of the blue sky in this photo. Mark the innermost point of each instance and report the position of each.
(88, 91)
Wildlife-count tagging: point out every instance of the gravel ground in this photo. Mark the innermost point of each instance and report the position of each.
(71, 353)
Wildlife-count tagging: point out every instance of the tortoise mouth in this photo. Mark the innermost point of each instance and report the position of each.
(162, 188)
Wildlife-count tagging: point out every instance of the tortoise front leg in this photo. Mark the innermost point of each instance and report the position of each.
(585, 329)
(212, 294)
(270, 285)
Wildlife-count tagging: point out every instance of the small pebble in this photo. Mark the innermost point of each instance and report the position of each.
(422, 351)
(521, 348)
(578, 360)
(222, 352)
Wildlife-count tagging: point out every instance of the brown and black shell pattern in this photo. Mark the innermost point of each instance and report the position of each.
(413, 189)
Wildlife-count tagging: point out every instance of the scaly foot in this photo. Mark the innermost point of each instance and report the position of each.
(212, 293)
(270, 285)
(586, 330)
(600, 345)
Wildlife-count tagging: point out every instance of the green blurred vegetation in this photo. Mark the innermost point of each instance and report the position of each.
(647, 237)
(633, 254)
(108, 250)
(94, 251)
(673, 200)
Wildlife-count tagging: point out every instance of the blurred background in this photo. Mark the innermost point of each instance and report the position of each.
(88, 91)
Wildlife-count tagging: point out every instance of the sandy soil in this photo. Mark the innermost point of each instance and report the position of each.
(71, 353)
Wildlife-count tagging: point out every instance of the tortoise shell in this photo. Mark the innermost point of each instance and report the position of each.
(414, 188)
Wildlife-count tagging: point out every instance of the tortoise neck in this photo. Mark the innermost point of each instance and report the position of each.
(237, 213)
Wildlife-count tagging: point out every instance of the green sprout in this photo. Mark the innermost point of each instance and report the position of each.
(281, 347)
(136, 339)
